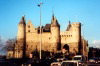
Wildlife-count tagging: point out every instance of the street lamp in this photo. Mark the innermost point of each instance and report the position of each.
(40, 4)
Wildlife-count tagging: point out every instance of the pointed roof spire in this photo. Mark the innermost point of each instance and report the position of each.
(54, 21)
(52, 14)
(69, 26)
(22, 21)
(69, 22)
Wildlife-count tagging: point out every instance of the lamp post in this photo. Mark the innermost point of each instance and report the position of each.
(40, 31)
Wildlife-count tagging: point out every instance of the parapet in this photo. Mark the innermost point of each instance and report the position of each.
(76, 24)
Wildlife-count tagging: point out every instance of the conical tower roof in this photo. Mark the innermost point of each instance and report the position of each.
(54, 21)
(69, 26)
(22, 21)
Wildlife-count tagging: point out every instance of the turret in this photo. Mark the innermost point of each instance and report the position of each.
(21, 38)
(69, 26)
(21, 29)
(55, 32)
(76, 26)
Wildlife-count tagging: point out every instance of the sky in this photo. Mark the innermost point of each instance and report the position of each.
(85, 11)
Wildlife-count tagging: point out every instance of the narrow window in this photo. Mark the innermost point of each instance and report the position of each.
(71, 35)
(49, 38)
(28, 30)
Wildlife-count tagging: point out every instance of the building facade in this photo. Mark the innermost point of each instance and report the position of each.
(52, 39)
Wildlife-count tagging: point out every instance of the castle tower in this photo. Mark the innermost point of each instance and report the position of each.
(55, 34)
(76, 26)
(21, 39)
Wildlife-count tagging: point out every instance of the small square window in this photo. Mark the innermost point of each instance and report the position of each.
(28, 26)
(49, 38)
(28, 30)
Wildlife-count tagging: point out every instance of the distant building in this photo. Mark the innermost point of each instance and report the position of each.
(53, 40)
(94, 53)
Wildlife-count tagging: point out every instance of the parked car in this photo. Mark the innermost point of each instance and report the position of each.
(70, 63)
(67, 63)
(56, 64)
(82, 59)
(94, 60)
(61, 59)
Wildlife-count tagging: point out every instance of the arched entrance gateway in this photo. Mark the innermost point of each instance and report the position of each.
(66, 47)
(65, 50)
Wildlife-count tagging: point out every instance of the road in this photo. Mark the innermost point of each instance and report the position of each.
(44, 63)
(93, 64)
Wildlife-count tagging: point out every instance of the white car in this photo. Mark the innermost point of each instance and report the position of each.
(56, 64)
(81, 59)
(67, 63)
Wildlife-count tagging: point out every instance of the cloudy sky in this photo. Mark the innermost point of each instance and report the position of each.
(85, 11)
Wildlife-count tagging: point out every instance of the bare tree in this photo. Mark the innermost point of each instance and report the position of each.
(2, 51)
(10, 44)
(0, 40)
(1, 43)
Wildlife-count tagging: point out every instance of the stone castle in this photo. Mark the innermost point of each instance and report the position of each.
(52, 39)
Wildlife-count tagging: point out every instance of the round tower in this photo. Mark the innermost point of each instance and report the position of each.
(76, 26)
(77, 35)
(21, 29)
(55, 34)
(21, 38)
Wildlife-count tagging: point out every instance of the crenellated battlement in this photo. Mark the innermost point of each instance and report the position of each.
(76, 24)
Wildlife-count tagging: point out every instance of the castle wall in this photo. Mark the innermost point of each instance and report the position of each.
(21, 39)
(33, 39)
(33, 42)
(71, 37)
(55, 38)
(50, 40)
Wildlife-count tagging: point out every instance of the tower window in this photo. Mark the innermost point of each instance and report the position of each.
(71, 35)
(67, 35)
(28, 30)
(62, 35)
(31, 46)
(28, 26)
(49, 38)
(27, 46)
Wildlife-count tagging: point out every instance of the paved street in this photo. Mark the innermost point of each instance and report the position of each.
(34, 63)
(93, 64)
